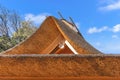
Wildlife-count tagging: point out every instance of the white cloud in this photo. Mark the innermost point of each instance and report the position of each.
(115, 36)
(116, 28)
(37, 19)
(96, 30)
(111, 5)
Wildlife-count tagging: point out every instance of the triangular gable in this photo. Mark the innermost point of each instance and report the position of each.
(76, 40)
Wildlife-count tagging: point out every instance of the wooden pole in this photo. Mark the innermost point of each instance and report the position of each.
(76, 27)
(60, 15)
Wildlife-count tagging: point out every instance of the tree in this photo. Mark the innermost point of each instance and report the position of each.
(13, 29)
(27, 28)
(9, 21)
(4, 29)
(5, 43)
(15, 21)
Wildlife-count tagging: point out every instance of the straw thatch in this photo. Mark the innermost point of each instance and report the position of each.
(61, 66)
(46, 39)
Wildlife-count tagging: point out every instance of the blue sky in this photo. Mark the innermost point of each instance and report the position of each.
(97, 20)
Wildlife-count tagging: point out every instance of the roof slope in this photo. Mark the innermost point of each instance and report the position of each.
(75, 39)
(49, 35)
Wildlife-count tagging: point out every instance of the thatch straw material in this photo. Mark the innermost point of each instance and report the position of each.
(49, 35)
(59, 66)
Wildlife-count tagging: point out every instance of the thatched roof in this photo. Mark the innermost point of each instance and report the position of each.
(54, 66)
(47, 38)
